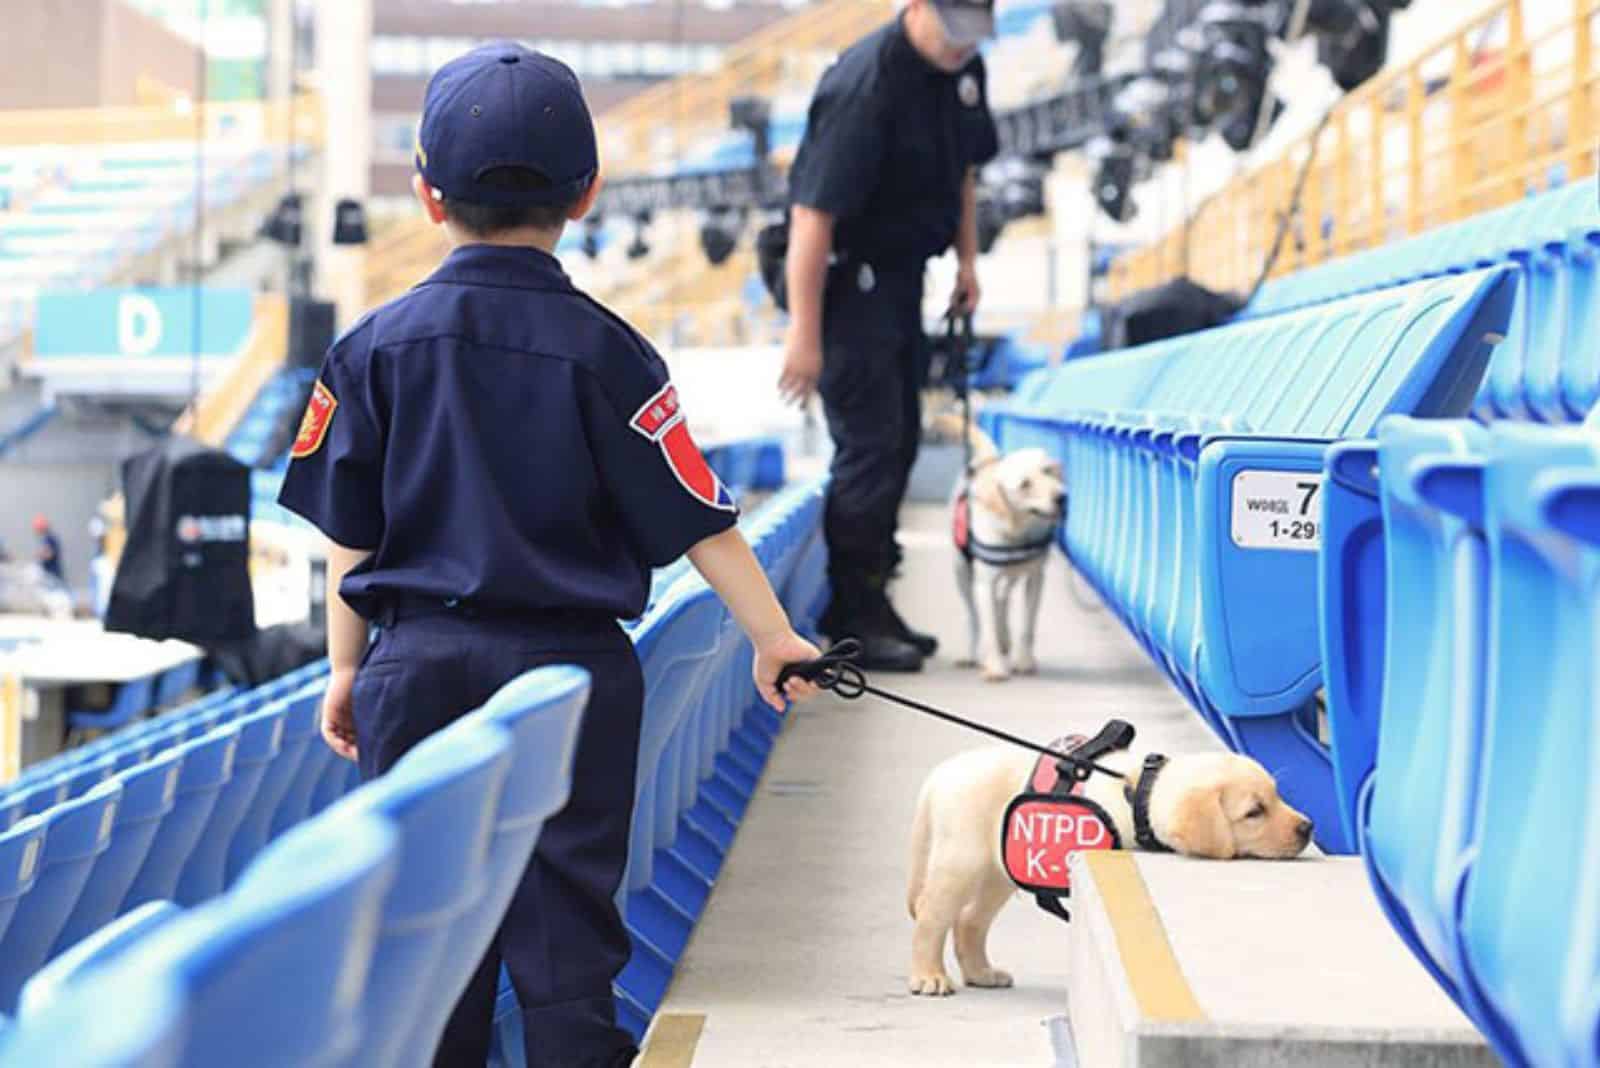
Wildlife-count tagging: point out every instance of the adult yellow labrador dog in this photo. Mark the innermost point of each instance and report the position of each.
(1217, 805)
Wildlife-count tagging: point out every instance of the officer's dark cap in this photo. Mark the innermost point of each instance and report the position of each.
(966, 22)
(502, 106)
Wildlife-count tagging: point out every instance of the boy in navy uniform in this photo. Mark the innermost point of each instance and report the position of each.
(884, 179)
(497, 462)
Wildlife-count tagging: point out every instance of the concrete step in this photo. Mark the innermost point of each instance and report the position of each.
(1182, 963)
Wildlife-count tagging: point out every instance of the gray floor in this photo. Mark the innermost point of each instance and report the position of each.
(801, 956)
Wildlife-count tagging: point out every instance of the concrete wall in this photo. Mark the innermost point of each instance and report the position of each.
(88, 53)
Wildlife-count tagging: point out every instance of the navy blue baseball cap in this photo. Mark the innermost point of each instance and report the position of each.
(505, 106)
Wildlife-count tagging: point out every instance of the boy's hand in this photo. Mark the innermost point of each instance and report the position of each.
(772, 656)
(338, 725)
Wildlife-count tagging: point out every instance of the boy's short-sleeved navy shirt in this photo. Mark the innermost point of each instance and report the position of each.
(888, 143)
(496, 437)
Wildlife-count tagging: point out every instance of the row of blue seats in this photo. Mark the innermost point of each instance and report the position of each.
(1459, 580)
(249, 441)
(347, 941)
(1547, 369)
(198, 799)
(186, 821)
(1193, 466)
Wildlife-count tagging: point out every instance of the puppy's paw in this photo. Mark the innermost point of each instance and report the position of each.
(937, 985)
(992, 978)
(996, 672)
(1025, 664)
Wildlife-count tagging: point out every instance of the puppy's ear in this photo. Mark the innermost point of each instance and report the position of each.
(1200, 826)
(986, 494)
(1053, 469)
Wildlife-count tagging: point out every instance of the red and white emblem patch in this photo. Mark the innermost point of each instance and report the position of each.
(314, 424)
(662, 421)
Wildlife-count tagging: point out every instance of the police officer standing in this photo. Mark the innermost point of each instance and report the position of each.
(884, 179)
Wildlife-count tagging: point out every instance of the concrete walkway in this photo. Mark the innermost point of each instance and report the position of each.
(801, 956)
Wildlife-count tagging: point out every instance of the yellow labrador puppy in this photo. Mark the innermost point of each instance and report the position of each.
(1217, 805)
(1004, 516)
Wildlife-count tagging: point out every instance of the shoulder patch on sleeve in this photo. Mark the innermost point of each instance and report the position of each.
(661, 420)
(314, 424)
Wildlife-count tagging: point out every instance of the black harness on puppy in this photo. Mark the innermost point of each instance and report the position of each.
(1139, 800)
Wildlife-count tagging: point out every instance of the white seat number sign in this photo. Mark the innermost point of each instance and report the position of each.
(1277, 510)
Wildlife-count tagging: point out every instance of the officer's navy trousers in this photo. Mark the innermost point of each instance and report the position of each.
(562, 940)
(874, 361)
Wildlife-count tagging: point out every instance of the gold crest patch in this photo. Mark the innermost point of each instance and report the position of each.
(314, 424)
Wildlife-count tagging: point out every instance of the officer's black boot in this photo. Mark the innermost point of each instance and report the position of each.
(858, 611)
(925, 643)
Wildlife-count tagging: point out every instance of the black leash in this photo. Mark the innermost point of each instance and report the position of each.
(834, 670)
(958, 335)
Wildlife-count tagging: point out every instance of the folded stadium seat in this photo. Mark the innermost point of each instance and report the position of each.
(132, 700)
(77, 832)
(207, 767)
(11, 810)
(1580, 357)
(441, 797)
(97, 949)
(45, 795)
(89, 774)
(272, 971)
(300, 731)
(147, 1029)
(1540, 248)
(148, 795)
(172, 684)
(205, 872)
(1527, 917)
(338, 776)
(296, 803)
(20, 848)
(1416, 810)
(542, 710)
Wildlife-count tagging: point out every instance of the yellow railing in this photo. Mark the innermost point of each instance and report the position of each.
(269, 122)
(1480, 119)
(639, 132)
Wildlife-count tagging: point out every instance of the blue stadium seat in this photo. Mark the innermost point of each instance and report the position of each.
(441, 797)
(77, 832)
(205, 872)
(300, 731)
(147, 1029)
(19, 864)
(1528, 912)
(98, 949)
(148, 794)
(173, 683)
(207, 767)
(542, 710)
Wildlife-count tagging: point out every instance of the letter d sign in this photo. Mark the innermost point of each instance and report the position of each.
(138, 325)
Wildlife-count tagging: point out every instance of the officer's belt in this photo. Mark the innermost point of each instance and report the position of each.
(399, 609)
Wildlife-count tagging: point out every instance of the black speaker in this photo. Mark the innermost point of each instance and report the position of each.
(310, 331)
(184, 571)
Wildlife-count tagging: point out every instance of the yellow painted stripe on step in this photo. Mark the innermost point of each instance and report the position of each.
(672, 1043)
(1147, 959)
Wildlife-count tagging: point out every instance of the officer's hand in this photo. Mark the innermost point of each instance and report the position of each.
(772, 656)
(964, 298)
(338, 725)
(802, 367)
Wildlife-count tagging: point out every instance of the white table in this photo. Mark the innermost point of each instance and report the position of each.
(56, 654)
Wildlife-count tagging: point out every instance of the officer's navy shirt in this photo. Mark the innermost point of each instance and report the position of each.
(496, 436)
(888, 143)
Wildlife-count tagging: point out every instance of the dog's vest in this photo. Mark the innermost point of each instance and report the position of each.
(1052, 819)
(995, 555)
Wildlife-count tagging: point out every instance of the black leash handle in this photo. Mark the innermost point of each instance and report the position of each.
(835, 670)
